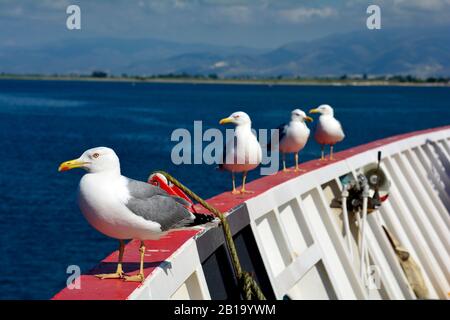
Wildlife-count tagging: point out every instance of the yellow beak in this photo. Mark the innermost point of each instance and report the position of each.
(71, 164)
(226, 120)
(314, 111)
(309, 119)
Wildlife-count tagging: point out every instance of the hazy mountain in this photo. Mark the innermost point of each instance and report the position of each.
(108, 54)
(421, 53)
(371, 52)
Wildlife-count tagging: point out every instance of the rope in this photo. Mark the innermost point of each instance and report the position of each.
(249, 288)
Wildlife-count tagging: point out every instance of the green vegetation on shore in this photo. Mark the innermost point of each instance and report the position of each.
(362, 80)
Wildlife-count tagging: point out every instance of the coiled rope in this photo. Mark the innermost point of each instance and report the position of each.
(247, 284)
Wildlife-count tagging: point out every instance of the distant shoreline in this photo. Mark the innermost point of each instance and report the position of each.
(267, 82)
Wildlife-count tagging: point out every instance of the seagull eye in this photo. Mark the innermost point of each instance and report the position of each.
(96, 155)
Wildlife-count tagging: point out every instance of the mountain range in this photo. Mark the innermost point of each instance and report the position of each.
(378, 52)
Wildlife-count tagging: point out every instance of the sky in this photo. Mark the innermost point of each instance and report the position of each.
(251, 23)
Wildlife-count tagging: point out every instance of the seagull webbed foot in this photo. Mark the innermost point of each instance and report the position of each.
(135, 278)
(116, 275)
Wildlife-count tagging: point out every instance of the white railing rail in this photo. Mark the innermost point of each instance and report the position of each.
(301, 240)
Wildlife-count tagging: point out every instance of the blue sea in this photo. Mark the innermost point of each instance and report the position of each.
(43, 123)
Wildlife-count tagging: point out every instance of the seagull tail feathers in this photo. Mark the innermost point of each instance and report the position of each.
(201, 218)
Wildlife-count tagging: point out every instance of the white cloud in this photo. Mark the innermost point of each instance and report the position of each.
(12, 11)
(56, 4)
(404, 5)
(179, 4)
(237, 14)
(302, 14)
(430, 5)
(33, 10)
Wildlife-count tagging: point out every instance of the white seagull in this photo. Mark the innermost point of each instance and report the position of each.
(242, 153)
(328, 130)
(293, 136)
(123, 208)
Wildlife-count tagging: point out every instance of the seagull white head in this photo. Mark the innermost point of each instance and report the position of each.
(238, 118)
(323, 109)
(95, 160)
(299, 115)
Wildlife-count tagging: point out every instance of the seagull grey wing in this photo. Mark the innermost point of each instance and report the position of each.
(161, 209)
(180, 200)
(143, 190)
(281, 134)
(282, 129)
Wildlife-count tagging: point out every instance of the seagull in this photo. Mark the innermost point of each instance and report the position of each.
(328, 130)
(242, 153)
(123, 208)
(293, 136)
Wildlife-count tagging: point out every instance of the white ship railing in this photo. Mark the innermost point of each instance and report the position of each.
(300, 237)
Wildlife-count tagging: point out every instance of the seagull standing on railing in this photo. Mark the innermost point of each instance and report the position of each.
(328, 130)
(242, 153)
(293, 136)
(123, 208)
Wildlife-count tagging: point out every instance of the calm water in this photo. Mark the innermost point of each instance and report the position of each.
(44, 123)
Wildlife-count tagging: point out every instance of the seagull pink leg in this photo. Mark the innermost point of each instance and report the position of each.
(284, 163)
(297, 169)
(243, 190)
(323, 153)
(140, 276)
(119, 272)
(233, 178)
